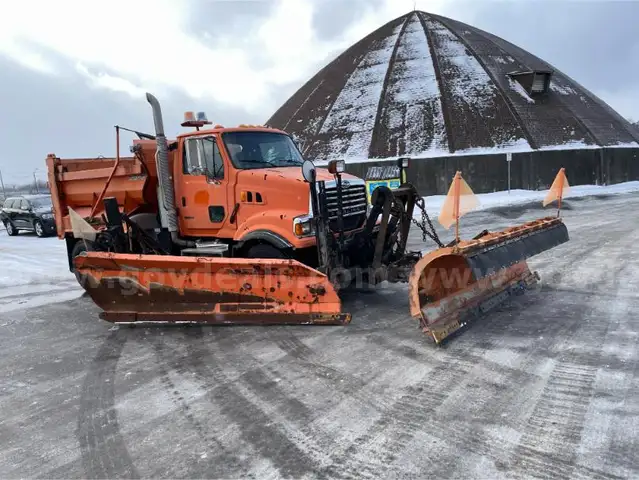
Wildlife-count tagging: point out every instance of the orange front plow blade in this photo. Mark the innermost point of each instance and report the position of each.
(450, 287)
(174, 289)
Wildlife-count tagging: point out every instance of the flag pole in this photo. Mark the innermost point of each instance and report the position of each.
(456, 207)
(561, 191)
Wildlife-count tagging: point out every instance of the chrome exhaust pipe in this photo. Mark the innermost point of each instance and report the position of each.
(164, 175)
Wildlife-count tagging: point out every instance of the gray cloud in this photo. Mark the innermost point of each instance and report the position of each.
(594, 42)
(332, 17)
(62, 115)
(231, 20)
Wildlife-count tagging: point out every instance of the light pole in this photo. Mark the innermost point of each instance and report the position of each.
(4, 194)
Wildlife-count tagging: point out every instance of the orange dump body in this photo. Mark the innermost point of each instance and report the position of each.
(79, 182)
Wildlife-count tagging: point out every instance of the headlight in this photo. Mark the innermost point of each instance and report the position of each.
(47, 216)
(303, 226)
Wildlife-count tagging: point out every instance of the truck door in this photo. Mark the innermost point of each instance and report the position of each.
(202, 194)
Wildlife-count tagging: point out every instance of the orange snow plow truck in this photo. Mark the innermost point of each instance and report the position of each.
(232, 226)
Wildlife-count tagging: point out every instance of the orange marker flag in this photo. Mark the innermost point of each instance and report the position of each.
(558, 188)
(459, 201)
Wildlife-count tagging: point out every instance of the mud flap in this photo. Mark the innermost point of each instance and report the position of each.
(451, 287)
(208, 290)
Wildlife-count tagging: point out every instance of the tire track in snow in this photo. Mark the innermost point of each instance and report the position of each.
(169, 359)
(308, 358)
(549, 443)
(610, 436)
(553, 434)
(103, 450)
(275, 426)
(392, 431)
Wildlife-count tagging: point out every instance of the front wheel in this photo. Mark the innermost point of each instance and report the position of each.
(11, 230)
(263, 250)
(80, 246)
(39, 229)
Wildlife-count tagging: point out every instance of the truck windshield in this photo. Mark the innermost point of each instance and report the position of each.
(252, 149)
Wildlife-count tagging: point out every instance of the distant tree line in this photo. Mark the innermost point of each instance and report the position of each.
(23, 189)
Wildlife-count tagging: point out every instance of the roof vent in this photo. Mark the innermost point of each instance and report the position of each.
(535, 82)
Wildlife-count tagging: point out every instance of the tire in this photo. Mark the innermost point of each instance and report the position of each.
(264, 250)
(79, 247)
(11, 230)
(39, 229)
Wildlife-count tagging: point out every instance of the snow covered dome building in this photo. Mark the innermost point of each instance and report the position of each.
(427, 86)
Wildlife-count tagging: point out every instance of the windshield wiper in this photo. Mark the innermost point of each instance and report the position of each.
(259, 162)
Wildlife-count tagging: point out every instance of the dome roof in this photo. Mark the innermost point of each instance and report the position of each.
(425, 85)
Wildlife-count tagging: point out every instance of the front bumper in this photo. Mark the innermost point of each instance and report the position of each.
(48, 224)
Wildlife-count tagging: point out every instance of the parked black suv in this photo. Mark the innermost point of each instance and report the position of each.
(28, 212)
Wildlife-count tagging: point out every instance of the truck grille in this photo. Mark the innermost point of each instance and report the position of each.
(353, 206)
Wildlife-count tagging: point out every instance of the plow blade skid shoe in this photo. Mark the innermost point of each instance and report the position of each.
(218, 291)
(450, 287)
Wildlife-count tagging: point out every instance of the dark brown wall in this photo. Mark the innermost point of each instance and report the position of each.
(529, 171)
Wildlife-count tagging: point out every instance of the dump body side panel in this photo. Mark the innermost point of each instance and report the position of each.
(78, 183)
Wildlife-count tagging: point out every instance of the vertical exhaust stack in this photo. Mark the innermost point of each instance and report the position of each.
(164, 174)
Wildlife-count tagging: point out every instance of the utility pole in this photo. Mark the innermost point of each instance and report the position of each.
(4, 194)
(35, 180)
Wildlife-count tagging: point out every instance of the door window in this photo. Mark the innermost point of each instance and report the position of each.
(202, 157)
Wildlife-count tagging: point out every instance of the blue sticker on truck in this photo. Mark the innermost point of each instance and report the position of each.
(372, 185)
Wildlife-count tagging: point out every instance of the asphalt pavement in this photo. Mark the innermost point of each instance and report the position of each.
(545, 387)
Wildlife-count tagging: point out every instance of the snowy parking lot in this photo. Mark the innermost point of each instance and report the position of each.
(34, 271)
(545, 387)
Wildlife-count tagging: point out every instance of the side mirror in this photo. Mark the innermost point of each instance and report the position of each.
(308, 171)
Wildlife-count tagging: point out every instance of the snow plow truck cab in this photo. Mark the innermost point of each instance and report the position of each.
(233, 226)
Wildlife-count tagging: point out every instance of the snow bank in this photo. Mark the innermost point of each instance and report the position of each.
(520, 197)
(34, 271)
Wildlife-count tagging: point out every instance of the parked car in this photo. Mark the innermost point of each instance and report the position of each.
(33, 213)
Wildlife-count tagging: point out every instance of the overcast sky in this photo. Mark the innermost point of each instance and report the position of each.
(71, 70)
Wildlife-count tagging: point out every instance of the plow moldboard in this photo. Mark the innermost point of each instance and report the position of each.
(174, 289)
